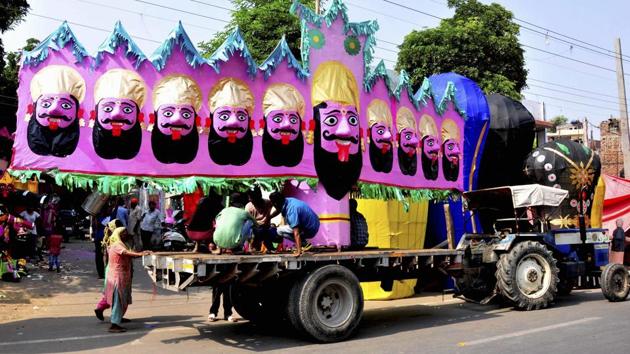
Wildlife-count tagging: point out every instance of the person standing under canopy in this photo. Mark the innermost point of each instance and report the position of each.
(618, 243)
(118, 284)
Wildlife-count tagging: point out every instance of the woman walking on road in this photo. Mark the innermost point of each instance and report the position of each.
(118, 283)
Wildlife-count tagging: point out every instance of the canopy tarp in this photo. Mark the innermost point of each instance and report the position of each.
(616, 202)
(514, 197)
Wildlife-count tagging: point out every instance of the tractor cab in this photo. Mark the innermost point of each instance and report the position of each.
(520, 256)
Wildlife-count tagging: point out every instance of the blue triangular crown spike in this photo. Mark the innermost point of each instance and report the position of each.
(118, 37)
(234, 42)
(55, 41)
(373, 75)
(279, 54)
(404, 82)
(177, 36)
(424, 93)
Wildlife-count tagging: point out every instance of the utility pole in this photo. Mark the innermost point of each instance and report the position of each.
(623, 110)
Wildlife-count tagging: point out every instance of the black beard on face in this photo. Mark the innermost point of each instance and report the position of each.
(60, 143)
(166, 150)
(451, 170)
(276, 154)
(124, 147)
(408, 164)
(380, 162)
(223, 152)
(336, 177)
(429, 169)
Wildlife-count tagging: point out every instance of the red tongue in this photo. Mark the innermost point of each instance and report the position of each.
(53, 125)
(384, 149)
(176, 135)
(285, 139)
(231, 137)
(116, 130)
(343, 154)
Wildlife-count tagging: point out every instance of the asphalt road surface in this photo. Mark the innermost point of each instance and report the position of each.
(52, 313)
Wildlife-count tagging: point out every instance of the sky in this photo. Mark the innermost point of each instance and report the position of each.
(576, 90)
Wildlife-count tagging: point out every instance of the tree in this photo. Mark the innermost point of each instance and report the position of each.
(558, 120)
(262, 22)
(480, 41)
(12, 12)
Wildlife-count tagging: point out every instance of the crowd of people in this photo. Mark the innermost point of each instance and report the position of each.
(25, 236)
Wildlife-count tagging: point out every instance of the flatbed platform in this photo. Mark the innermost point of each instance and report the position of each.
(179, 270)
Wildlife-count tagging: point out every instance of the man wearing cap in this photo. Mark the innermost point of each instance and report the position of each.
(119, 95)
(450, 150)
(337, 150)
(176, 100)
(430, 145)
(407, 141)
(380, 136)
(231, 105)
(283, 142)
(53, 128)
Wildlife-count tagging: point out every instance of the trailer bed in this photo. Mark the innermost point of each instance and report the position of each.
(179, 270)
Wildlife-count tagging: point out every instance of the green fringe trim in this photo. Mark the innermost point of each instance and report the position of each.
(117, 185)
(382, 192)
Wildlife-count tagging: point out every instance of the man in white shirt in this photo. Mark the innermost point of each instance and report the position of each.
(151, 221)
(133, 227)
(31, 216)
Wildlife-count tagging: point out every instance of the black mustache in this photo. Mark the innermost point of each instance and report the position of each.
(384, 141)
(46, 115)
(410, 145)
(169, 125)
(240, 129)
(278, 130)
(330, 136)
(109, 120)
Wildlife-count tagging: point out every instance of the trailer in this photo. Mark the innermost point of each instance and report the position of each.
(318, 293)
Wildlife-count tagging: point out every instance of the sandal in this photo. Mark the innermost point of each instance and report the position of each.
(117, 329)
(99, 314)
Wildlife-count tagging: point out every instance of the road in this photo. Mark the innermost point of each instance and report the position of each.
(52, 313)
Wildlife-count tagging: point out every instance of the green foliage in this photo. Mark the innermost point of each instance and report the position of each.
(558, 120)
(480, 41)
(262, 22)
(12, 12)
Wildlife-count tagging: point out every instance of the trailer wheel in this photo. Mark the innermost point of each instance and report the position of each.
(258, 304)
(327, 304)
(527, 276)
(615, 282)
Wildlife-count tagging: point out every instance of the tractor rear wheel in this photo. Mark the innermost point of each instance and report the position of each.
(527, 276)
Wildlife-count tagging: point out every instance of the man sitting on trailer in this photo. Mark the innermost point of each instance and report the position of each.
(302, 223)
(358, 227)
(261, 210)
(233, 226)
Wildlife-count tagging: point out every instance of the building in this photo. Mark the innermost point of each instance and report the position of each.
(610, 152)
(573, 132)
